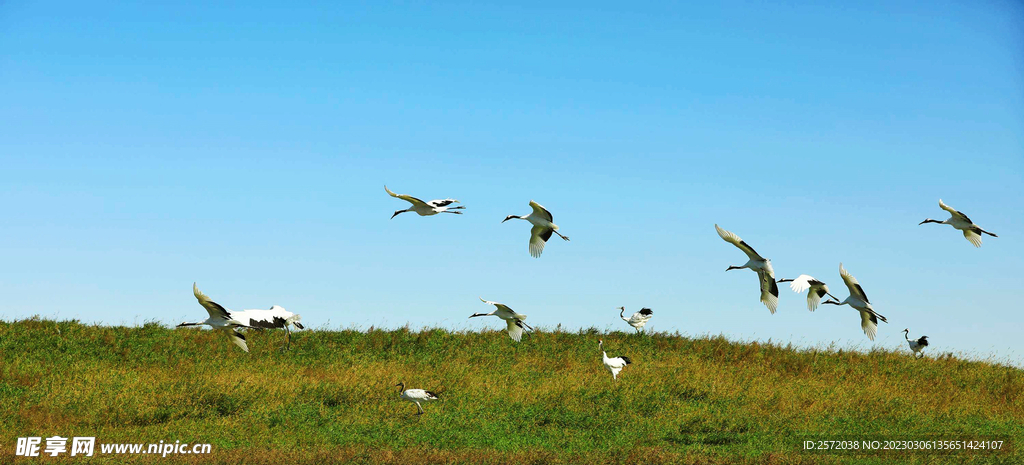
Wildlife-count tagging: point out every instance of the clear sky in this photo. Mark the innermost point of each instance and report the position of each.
(245, 147)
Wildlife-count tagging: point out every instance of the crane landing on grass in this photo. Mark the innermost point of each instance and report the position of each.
(543, 227)
(515, 323)
(916, 345)
(416, 396)
(613, 364)
(639, 319)
(972, 232)
(422, 208)
(274, 318)
(758, 264)
(220, 319)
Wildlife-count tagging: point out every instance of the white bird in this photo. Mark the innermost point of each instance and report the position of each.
(960, 221)
(760, 265)
(916, 345)
(220, 319)
(416, 396)
(639, 319)
(274, 318)
(614, 364)
(514, 320)
(543, 226)
(422, 208)
(859, 300)
(817, 290)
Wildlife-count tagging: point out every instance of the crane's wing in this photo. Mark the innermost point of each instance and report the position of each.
(499, 306)
(237, 338)
(442, 203)
(515, 330)
(869, 324)
(541, 211)
(852, 284)
(646, 312)
(735, 240)
(954, 212)
(407, 198)
(802, 283)
(769, 290)
(973, 237)
(539, 235)
(213, 308)
(814, 297)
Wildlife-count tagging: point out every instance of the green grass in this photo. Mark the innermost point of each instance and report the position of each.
(332, 399)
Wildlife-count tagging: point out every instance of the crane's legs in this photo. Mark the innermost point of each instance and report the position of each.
(419, 410)
(560, 235)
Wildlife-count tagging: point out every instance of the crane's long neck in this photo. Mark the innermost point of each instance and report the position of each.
(906, 335)
(483, 314)
(929, 220)
(401, 387)
(621, 311)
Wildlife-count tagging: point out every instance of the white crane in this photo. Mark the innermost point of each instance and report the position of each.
(960, 221)
(859, 300)
(543, 226)
(422, 208)
(220, 319)
(274, 318)
(916, 345)
(515, 323)
(614, 364)
(416, 396)
(639, 319)
(815, 289)
(760, 265)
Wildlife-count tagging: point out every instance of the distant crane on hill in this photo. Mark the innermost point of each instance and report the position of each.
(639, 319)
(916, 345)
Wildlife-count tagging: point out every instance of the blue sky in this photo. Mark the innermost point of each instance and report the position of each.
(245, 147)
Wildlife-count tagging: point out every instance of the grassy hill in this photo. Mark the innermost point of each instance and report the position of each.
(332, 399)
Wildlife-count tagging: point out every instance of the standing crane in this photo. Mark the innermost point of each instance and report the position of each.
(416, 396)
(916, 345)
(639, 319)
(613, 364)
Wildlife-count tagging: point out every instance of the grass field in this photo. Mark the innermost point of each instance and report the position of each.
(332, 399)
